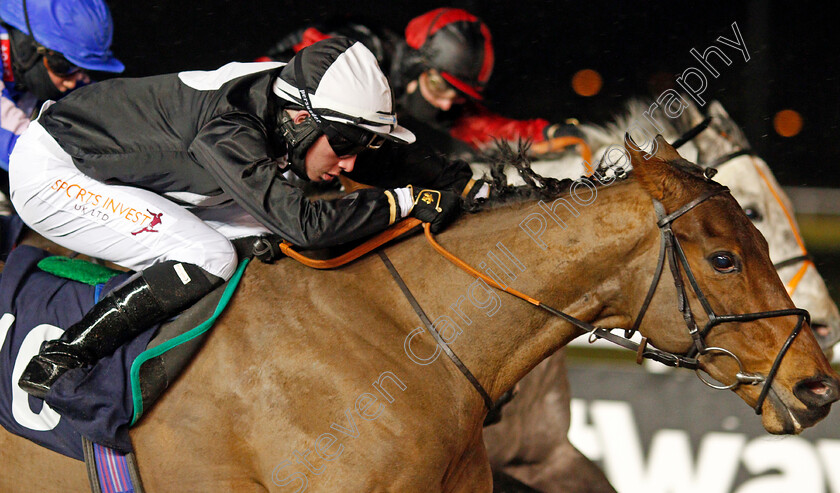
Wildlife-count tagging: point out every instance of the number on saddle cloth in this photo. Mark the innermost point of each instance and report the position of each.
(34, 307)
(102, 401)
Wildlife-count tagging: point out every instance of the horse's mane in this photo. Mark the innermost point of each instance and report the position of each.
(536, 186)
(613, 132)
(598, 136)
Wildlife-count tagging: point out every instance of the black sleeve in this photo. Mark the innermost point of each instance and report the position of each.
(233, 148)
(397, 165)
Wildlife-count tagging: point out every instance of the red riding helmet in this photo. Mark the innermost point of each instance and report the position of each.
(456, 44)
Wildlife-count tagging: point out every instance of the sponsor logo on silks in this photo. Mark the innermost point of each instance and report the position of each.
(98, 206)
(150, 228)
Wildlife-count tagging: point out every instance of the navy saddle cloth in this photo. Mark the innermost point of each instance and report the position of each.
(99, 402)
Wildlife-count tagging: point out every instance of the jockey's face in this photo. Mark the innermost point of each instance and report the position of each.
(66, 82)
(437, 91)
(322, 163)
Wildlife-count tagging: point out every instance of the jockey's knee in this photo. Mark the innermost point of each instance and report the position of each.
(217, 258)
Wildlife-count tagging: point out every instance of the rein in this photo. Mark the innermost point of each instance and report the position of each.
(557, 144)
(392, 233)
(804, 257)
(669, 249)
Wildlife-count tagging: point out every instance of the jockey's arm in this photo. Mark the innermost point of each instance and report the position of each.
(478, 127)
(233, 148)
(395, 165)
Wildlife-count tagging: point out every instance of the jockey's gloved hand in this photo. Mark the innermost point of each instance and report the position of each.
(436, 207)
(554, 138)
(570, 128)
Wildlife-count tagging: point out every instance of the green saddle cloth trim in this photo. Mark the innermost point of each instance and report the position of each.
(156, 351)
(77, 270)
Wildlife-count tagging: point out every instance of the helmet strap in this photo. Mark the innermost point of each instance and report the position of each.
(26, 51)
(299, 138)
(30, 73)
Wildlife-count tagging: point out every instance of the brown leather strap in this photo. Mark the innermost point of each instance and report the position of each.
(430, 327)
(395, 231)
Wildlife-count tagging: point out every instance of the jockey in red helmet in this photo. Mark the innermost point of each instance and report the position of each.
(439, 72)
(455, 46)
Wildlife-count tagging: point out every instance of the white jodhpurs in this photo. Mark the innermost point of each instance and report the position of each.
(130, 227)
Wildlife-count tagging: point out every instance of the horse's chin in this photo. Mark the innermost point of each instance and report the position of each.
(780, 421)
(779, 418)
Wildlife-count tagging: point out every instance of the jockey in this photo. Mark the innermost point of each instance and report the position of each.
(439, 72)
(158, 174)
(47, 48)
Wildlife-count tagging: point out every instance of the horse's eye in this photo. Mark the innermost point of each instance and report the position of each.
(723, 262)
(753, 213)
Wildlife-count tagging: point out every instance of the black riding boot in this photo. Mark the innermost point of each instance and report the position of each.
(163, 290)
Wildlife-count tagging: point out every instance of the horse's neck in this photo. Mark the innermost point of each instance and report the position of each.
(582, 271)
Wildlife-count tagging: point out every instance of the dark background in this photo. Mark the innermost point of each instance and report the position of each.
(639, 48)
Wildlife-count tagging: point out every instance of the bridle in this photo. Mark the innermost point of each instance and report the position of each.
(671, 250)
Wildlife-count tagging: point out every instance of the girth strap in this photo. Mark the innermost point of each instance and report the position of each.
(488, 401)
(109, 470)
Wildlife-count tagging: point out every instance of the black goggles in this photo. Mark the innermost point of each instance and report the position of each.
(349, 140)
(59, 65)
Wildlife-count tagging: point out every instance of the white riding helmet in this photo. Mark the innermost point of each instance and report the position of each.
(338, 80)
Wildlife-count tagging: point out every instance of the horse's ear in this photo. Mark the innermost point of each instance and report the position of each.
(652, 172)
(664, 150)
(732, 131)
(716, 110)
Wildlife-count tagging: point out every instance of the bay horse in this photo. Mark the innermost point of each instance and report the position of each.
(531, 443)
(315, 381)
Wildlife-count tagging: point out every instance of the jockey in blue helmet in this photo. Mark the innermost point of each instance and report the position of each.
(47, 48)
(55, 41)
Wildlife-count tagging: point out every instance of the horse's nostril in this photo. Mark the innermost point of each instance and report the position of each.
(817, 388)
(817, 391)
(821, 330)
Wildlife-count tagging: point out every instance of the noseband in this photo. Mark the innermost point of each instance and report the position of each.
(671, 250)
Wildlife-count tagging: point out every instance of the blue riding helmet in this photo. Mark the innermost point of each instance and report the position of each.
(81, 30)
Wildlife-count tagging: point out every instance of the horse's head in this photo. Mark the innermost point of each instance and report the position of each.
(769, 358)
(765, 203)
